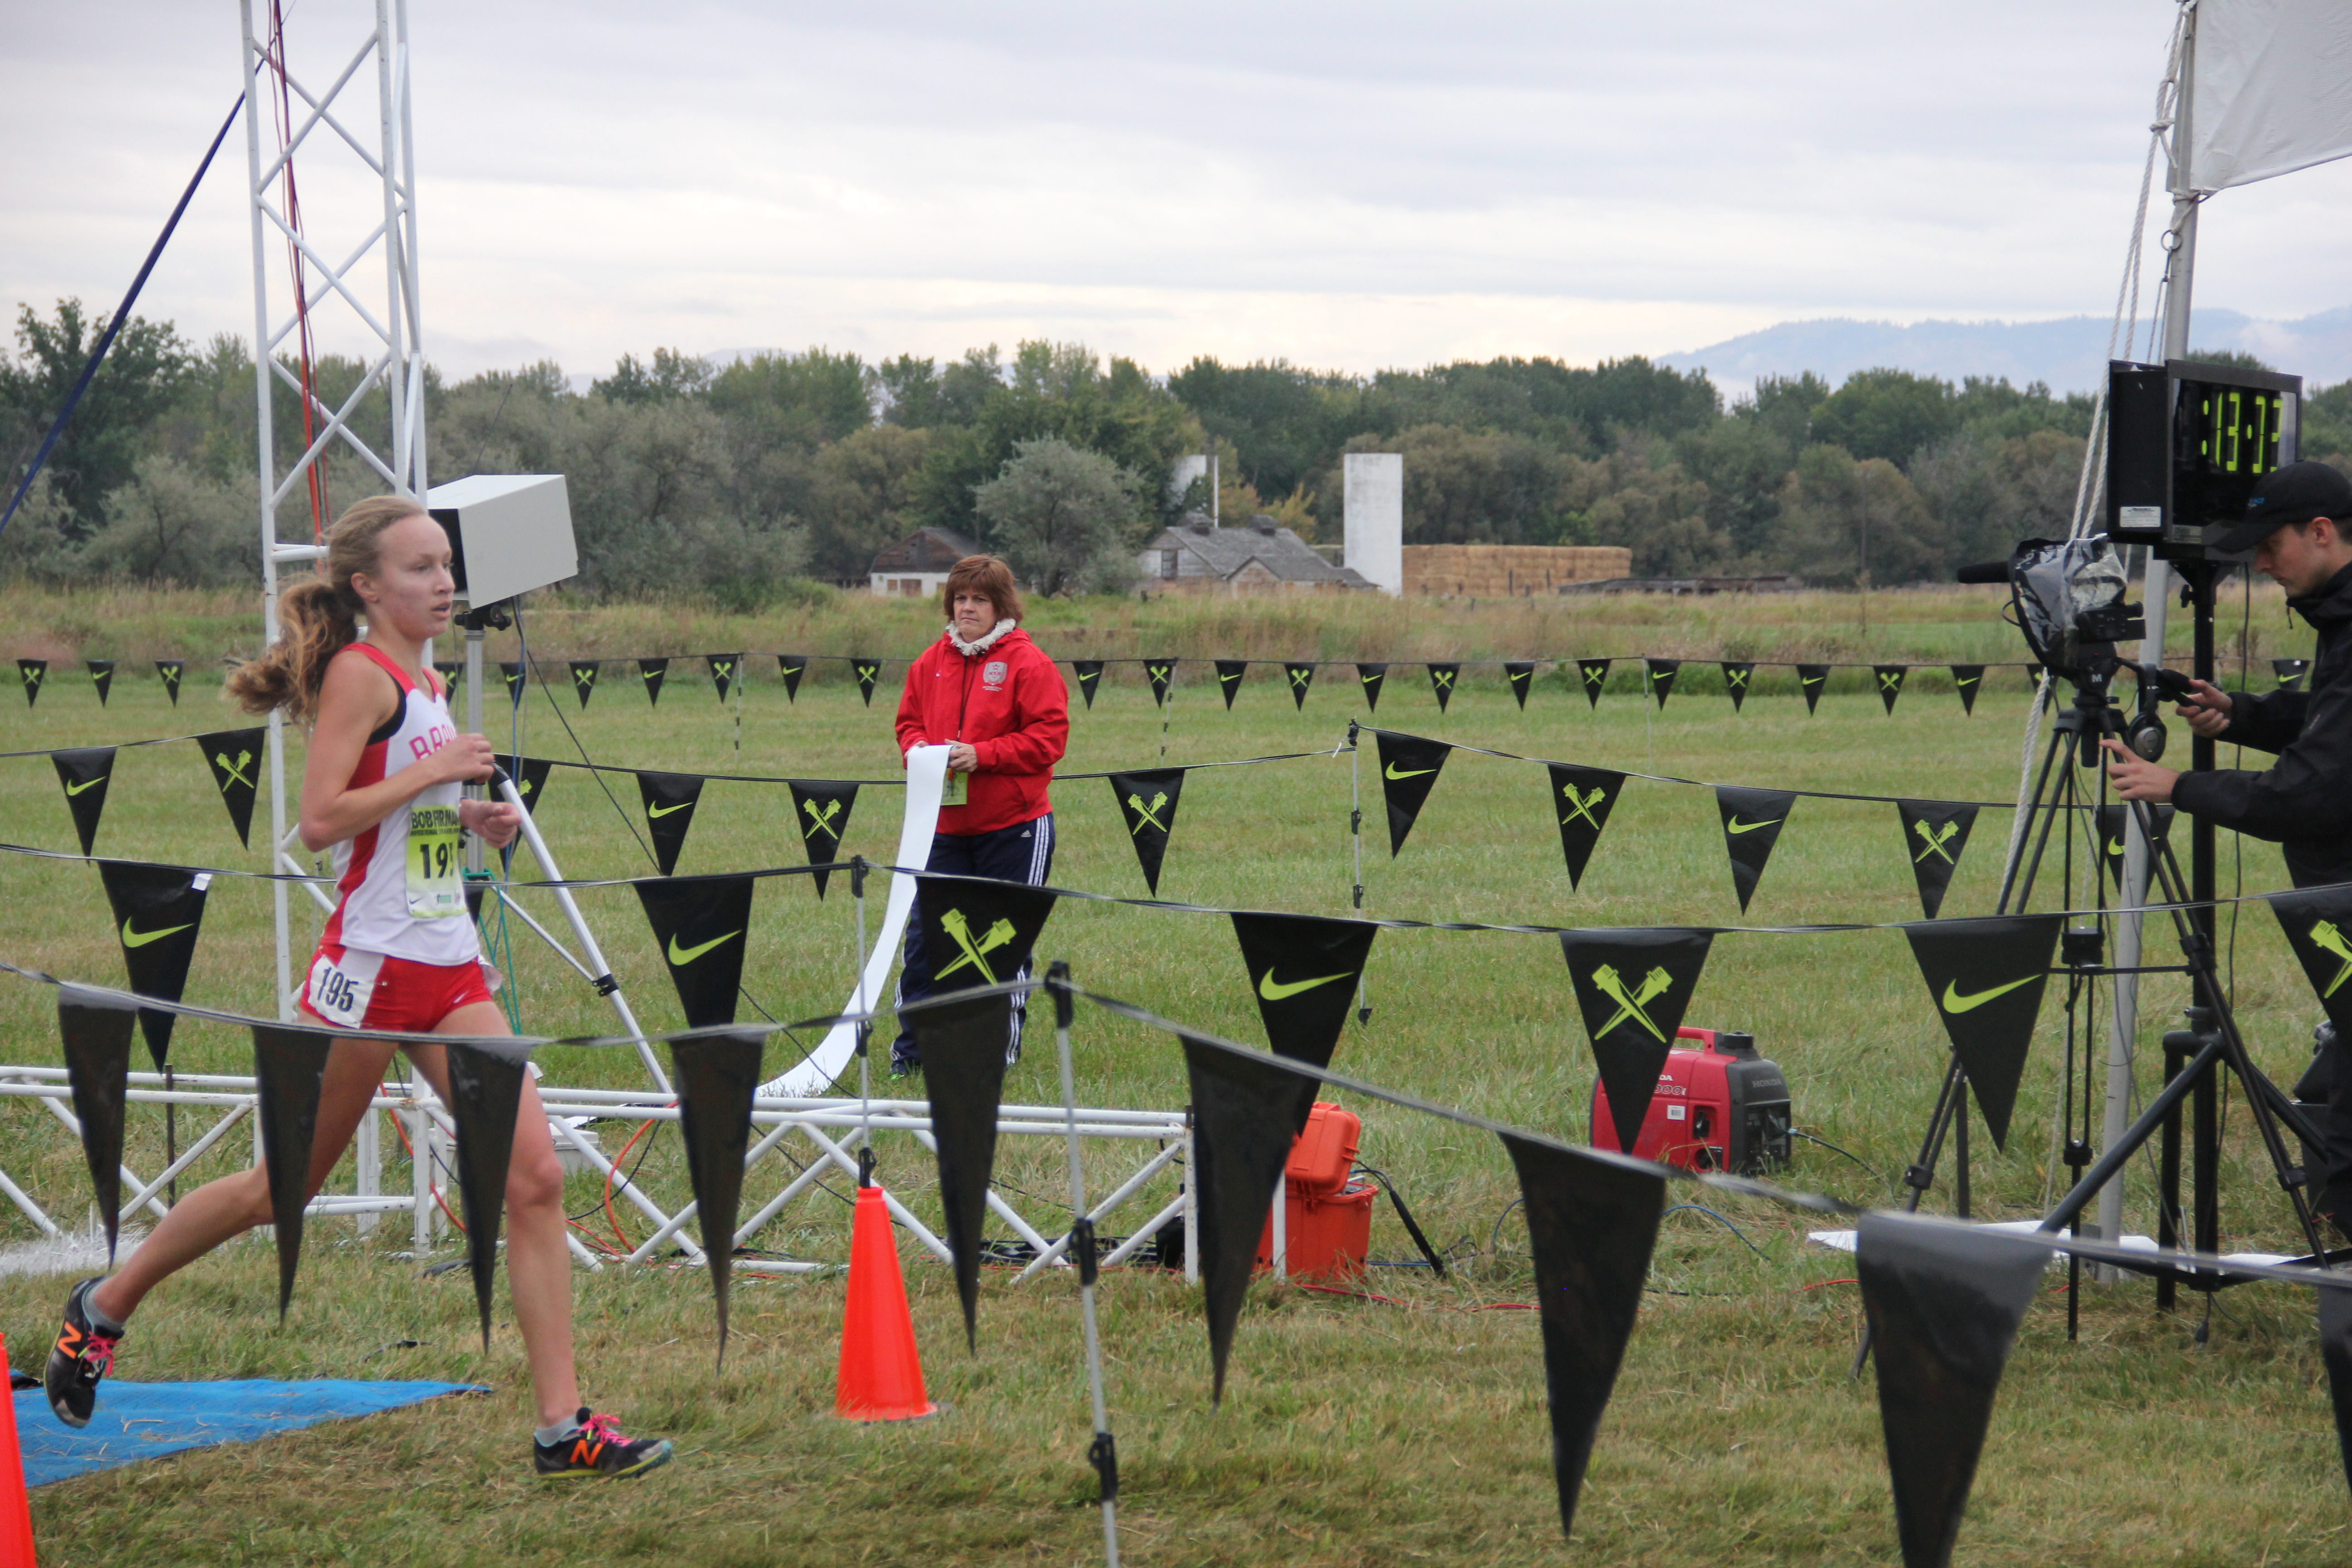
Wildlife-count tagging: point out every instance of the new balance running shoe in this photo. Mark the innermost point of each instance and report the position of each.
(83, 1354)
(597, 1448)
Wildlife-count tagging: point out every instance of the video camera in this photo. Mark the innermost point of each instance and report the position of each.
(2066, 596)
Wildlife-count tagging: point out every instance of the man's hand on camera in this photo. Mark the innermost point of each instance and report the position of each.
(2207, 708)
(2134, 779)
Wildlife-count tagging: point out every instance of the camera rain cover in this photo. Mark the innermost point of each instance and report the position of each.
(2057, 584)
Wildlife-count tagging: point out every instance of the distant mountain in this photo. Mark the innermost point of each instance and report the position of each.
(2069, 353)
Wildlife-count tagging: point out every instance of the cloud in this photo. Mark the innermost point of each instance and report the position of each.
(1350, 186)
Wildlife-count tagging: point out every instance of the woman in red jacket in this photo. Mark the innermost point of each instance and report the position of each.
(992, 695)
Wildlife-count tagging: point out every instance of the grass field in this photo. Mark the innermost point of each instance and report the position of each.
(1352, 1431)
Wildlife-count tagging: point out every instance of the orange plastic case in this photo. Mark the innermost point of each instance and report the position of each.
(1328, 1218)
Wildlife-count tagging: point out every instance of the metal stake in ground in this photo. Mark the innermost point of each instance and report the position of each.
(1104, 1450)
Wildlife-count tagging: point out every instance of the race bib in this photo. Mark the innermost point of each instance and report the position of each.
(436, 872)
(952, 791)
(337, 995)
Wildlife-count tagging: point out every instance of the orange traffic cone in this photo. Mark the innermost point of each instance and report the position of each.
(881, 1376)
(16, 1515)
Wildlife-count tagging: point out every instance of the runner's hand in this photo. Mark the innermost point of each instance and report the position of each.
(465, 760)
(494, 822)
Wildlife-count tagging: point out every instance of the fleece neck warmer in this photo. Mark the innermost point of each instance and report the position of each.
(979, 646)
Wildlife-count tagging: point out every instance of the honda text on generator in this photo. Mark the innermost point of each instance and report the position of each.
(1719, 1106)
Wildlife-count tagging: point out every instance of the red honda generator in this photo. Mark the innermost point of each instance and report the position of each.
(1328, 1218)
(1719, 1106)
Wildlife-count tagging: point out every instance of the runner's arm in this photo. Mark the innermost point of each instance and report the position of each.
(356, 699)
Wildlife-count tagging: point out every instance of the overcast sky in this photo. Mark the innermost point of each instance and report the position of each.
(1352, 186)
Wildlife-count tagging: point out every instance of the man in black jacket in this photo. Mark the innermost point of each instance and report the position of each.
(2299, 525)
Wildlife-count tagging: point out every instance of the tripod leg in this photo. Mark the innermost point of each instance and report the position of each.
(2035, 805)
(603, 981)
(1921, 1175)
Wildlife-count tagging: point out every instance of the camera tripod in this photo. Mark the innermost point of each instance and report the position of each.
(2194, 1056)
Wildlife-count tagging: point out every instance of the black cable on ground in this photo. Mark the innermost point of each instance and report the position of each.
(1405, 1214)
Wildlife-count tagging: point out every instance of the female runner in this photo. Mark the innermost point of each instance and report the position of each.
(383, 785)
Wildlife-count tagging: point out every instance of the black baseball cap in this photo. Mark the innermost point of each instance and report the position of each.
(2295, 493)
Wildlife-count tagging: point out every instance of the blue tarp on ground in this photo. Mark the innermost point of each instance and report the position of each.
(138, 1421)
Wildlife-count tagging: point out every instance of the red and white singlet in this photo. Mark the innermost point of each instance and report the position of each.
(403, 880)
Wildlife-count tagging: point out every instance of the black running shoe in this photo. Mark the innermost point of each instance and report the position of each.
(83, 1354)
(597, 1448)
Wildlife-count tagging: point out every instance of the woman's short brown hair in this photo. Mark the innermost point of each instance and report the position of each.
(982, 574)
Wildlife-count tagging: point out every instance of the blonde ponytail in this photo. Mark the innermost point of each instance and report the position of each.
(317, 620)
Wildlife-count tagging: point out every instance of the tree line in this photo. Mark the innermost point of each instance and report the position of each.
(753, 482)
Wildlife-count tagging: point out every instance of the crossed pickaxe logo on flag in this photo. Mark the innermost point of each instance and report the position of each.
(722, 667)
(1442, 679)
(1890, 680)
(2325, 937)
(1582, 805)
(31, 677)
(1934, 838)
(1143, 812)
(1157, 671)
(1593, 676)
(1736, 678)
(996, 936)
(822, 821)
(868, 671)
(584, 676)
(235, 769)
(1300, 677)
(1654, 984)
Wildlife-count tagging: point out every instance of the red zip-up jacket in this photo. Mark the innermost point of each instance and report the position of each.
(1008, 704)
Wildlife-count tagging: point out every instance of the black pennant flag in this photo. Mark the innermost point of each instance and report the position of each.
(1245, 1111)
(2112, 840)
(1968, 680)
(1158, 671)
(1304, 970)
(1302, 675)
(288, 1067)
(583, 679)
(1147, 804)
(31, 671)
(1581, 798)
(715, 1081)
(485, 1097)
(1371, 677)
(1934, 834)
(701, 923)
(1595, 674)
(97, 1036)
(451, 673)
(169, 670)
(1660, 674)
(1752, 819)
(1810, 678)
(529, 774)
(1521, 674)
(1737, 673)
(2290, 672)
(235, 758)
(791, 666)
(84, 773)
(1229, 679)
(101, 677)
(1591, 1225)
(867, 671)
(669, 801)
(512, 675)
(1442, 678)
(1987, 977)
(653, 672)
(2318, 926)
(159, 910)
(1632, 987)
(822, 807)
(1409, 765)
(726, 668)
(1089, 674)
(962, 1046)
(2335, 1355)
(979, 933)
(1890, 682)
(1944, 1302)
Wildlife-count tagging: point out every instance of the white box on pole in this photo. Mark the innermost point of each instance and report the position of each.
(1373, 518)
(510, 533)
